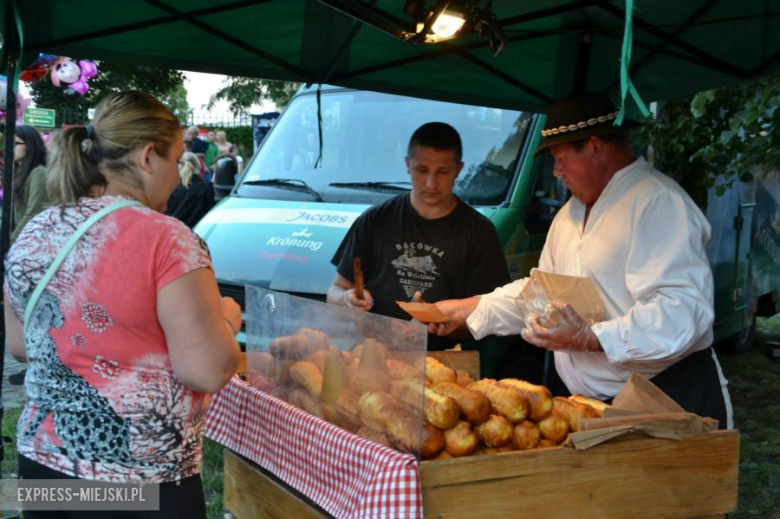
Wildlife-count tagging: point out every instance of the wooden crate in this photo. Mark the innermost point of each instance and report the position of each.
(637, 478)
(252, 492)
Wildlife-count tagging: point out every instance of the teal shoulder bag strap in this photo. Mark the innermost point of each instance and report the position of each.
(66, 250)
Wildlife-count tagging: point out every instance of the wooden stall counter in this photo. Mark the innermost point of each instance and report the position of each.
(636, 477)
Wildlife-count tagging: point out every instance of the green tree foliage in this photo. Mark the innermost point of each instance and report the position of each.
(718, 137)
(166, 85)
(243, 92)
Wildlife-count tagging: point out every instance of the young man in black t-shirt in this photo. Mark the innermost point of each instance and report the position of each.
(427, 241)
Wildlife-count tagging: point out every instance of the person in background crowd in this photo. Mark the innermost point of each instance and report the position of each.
(129, 336)
(223, 145)
(193, 197)
(211, 150)
(642, 240)
(29, 189)
(197, 145)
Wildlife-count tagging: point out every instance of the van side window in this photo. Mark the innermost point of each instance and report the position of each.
(547, 197)
(487, 179)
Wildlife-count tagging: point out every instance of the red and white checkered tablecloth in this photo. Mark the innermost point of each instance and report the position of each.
(344, 474)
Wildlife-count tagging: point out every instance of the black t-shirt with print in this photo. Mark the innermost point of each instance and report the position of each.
(401, 253)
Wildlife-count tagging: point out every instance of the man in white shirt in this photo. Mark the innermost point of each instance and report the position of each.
(642, 240)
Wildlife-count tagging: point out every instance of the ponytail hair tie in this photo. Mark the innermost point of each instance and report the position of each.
(90, 132)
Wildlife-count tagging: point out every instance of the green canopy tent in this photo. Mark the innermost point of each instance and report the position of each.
(545, 48)
(551, 46)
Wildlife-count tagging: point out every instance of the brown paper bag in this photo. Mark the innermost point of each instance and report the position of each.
(544, 288)
(423, 312)
(639, 394)
(640, 408)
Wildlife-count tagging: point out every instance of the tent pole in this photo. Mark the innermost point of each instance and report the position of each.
(580, 83)
(11, 56)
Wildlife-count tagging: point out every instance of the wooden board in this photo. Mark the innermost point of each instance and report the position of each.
(637, 478)
(253, 492)
(242, 363)
(467, 361)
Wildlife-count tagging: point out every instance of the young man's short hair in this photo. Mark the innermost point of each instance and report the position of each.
(439, 136)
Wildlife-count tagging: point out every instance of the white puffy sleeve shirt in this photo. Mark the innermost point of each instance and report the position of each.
(645, 248)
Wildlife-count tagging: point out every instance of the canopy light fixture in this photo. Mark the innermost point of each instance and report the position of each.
(447, 24)
(447, 19)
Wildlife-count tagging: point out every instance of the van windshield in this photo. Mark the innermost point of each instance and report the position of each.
(364, 143)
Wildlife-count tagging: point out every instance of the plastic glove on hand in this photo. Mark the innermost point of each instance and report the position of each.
(364, 304)
(572, 333)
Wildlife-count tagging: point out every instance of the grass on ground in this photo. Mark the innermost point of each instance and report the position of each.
(754, 383)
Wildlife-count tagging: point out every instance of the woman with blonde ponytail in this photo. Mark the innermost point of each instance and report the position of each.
(193, 197)
(115, 308)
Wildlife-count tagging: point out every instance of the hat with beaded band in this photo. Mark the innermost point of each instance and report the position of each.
(579, 117)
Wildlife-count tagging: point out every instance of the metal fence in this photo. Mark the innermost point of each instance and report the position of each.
(225, 120)
(216, 120)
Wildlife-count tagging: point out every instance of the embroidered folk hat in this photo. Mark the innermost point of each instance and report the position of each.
(579, 117)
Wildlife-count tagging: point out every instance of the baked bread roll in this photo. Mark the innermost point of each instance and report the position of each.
(334, 378)
(573, 411)
(461, 440)
(597, 405)
(303, 400)
(288, 347)
(443, 455)
(462, 378)
(505, 402)
(439, 410)
(555, 427)
(282, 392)
(474, 406)
(526, 435)
(279, 370)
(400, 370)
(373, 355)
(259, 361)
(318, 358)
(348, 403)
(332, 414)
(373, 435)
(313, 340)
(308, 375)
(378, 409)
(540, 403)
(404, 433)
(437, 372)
(432, 442)
(496, 431)
(546, 444)
(369, 379)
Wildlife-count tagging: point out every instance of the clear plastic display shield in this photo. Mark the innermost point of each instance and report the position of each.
(361, 371)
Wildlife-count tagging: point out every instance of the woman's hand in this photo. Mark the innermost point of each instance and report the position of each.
(232, 313)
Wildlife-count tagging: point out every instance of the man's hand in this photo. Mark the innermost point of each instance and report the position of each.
(572, 333)
(457, 311)
(351, 300)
